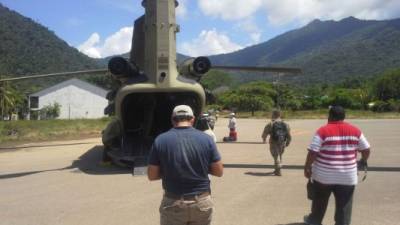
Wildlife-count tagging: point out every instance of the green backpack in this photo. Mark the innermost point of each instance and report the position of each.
(279, 132)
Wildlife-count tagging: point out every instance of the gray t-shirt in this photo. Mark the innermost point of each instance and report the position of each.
(184, 155)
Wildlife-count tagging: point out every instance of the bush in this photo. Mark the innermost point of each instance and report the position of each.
(394, 105)
(386, 87)
(381, 106)
(249, 97)
(348, 98)
(51, 111)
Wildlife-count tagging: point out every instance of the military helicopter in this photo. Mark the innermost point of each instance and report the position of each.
(151, 85)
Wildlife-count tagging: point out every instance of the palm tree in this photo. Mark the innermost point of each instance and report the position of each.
(8, 100)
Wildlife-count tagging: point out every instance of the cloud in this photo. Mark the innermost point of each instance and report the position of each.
(229, 9)
(118, 43)
(250, 27)
(88, 47)
(286, 11)
(181, 11)
(255, 37)
(209, 42)
(301, 11)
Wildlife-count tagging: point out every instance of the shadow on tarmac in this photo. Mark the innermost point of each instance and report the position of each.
(292, 224)
(88, 163)
(301, 167)
(260, 166)
(44, 145)
(258, 174)
(240, 142)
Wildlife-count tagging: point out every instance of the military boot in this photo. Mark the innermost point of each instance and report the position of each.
(308, 221)
(277, 172)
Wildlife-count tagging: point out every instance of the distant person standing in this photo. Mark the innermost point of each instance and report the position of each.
(211, 121)
(332, 165)
(183, 157)
(232, 122)
(279, 139)
(232, 128)
(203, 124)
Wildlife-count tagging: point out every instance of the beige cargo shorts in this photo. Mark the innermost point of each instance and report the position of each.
(181, 212)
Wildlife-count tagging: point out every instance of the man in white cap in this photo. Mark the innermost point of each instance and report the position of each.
(183, 157)
(232, 128)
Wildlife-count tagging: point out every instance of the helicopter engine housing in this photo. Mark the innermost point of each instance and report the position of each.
(195, 68)
(122, 68)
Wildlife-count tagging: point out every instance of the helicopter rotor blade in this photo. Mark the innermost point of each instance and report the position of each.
(259, 69)
(97, 71)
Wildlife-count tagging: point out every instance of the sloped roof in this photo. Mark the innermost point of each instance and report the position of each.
(75, 82)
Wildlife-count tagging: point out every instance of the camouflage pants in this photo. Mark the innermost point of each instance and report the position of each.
(182, 212)
(277, 150)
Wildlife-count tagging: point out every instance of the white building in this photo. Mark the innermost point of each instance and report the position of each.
(78, 99)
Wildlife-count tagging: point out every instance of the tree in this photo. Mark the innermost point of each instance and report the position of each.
(381, 106)
(249, 97)
(352, 82)
(9, 99)
(286, 97)
(51, 111)
(312, 97)
(348, 98)
(394, 104)
(215, 79)
(387, 86)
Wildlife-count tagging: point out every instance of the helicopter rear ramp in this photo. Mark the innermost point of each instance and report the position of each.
(143, 117)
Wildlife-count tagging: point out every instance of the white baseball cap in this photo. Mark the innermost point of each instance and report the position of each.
(182, 110)
(232, 114)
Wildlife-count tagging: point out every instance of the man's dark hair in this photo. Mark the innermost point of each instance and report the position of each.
(276, 114)
(336, 113)
(178, 119)
(202, 124)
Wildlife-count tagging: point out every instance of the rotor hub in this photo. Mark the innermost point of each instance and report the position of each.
(144, 3)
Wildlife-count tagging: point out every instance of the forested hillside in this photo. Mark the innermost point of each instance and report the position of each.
(27, 47)
(327, 51)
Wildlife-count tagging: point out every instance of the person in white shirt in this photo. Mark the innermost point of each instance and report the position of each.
(232, 125)
(203, 125)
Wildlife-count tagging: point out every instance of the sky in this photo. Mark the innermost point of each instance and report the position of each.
(101, 28)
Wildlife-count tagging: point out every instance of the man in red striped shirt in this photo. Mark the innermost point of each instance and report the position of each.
(332, 166)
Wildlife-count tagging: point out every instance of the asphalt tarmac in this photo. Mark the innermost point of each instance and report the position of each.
(62, 182)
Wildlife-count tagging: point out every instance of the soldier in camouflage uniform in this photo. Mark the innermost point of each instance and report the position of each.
(277, 147)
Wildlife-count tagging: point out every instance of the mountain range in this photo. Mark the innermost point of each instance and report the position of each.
(327, 51)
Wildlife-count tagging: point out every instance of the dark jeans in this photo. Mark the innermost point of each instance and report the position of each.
(343, 198)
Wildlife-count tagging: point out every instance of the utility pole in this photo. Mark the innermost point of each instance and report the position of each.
(2, 100)
(278, 91)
